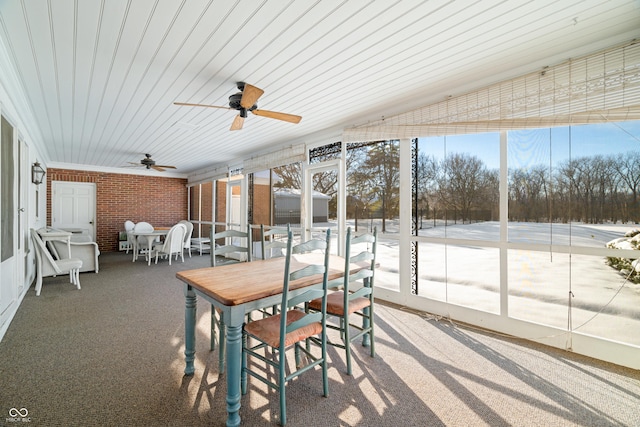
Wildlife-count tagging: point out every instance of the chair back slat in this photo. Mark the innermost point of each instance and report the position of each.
(228, 248)
(306, 320)
(269, 241)
(309, 246)
(362, 256)
(306, 271)
(367, 254)
(304, 297)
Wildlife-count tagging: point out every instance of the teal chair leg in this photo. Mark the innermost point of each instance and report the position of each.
(346, 339)
(371, 333)
(282, 387)
(325, 364)
(243, 366)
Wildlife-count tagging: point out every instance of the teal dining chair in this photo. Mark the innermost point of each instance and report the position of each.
(290, 327)
(355, 297)
(272, 244)
(235, 246)
(275, 238)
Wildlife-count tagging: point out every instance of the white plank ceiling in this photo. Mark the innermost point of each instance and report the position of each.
(99, 77)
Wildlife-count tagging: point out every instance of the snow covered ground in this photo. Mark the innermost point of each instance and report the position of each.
(541, 284)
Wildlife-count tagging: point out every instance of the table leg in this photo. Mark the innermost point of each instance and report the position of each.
(189, 329)
(234, 359)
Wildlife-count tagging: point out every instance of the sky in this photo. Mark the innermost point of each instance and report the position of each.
(533, 146)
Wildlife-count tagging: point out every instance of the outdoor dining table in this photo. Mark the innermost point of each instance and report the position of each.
(150, 236)
(237, 289)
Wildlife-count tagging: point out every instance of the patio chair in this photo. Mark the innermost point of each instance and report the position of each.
(269, 241)
(46, 266)
(187, 237)
(231, 251)
(173, 244)
(140, 244)
(82, 247)
(351, 301)
(128, 228)
(289, 328)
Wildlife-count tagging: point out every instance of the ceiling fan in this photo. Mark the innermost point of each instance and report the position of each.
(149, 163)
(244, 101)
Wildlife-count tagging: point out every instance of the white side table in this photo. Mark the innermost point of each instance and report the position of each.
(48, 234)
(202, 243)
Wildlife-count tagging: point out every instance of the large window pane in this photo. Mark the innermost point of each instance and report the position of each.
(575, 186)
(8, 177)
(287, 187)
(388, 260)
(458, 186)
(539, 287)
(604, 303)
(373, 186)
(432, 271)
(573, 179)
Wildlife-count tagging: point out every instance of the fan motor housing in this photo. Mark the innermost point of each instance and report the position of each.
(234, 102)
(148, 162)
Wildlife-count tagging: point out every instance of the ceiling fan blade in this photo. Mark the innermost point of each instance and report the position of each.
(135, 164)
(279, 116)
(237, 123)
(158, 168)
(250, 95)
(201, 105)
(165, 166)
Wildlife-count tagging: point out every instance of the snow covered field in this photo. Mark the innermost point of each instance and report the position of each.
(540, 284)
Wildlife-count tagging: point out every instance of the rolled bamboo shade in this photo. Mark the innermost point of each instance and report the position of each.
(597, 88)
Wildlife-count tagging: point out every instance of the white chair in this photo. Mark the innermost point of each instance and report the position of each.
(128, 228)
(82, 247)
(187, 236)
(46, 266)
(140, 244)
(173, 244)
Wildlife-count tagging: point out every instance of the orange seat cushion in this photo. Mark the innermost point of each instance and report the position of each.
(335, 304)
(268, 329)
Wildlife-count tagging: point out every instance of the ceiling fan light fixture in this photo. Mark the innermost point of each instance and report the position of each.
(246, 101)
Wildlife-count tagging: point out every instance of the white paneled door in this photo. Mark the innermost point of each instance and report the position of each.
(73, 206)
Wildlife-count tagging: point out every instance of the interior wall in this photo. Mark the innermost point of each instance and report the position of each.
(162, 202)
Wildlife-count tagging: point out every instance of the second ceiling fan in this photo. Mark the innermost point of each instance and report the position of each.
(245, 101)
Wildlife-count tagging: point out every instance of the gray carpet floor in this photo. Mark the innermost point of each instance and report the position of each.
(111, 354)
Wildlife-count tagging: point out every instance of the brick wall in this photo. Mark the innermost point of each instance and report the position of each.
(119, 197)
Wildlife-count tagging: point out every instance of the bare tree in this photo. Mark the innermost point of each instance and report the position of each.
(627, 166)
(461, 183)
(380, 171)
(290, 176)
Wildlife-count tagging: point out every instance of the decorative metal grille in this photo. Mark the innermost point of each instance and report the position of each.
(234, 172)
(250, 199)
(414, 219)
(325, 152)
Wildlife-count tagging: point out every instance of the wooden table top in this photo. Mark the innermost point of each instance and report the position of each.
(242, 282)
